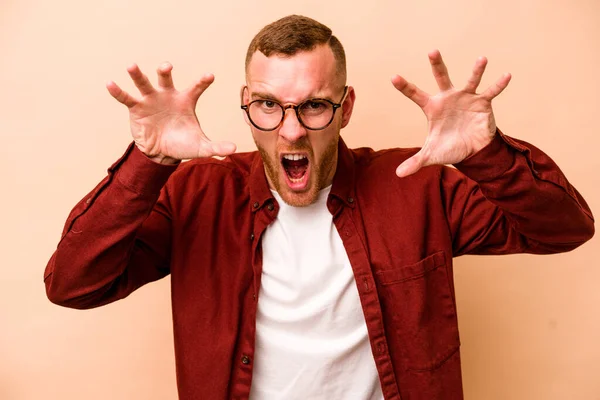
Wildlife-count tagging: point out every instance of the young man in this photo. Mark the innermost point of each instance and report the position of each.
(308, 270)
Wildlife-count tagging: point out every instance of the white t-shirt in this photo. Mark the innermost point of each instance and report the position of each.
(311, 335)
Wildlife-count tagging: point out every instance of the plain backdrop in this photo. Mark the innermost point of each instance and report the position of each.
(529, 324)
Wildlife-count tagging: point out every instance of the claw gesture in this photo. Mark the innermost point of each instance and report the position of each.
(163, 120)
(460, 121)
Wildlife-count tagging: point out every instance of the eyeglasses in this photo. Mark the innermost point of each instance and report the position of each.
(313, 114)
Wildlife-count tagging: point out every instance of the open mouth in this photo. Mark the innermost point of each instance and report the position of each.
(296, 170)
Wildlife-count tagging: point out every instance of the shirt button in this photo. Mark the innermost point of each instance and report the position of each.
(252, 236)
(270, 206)
(255, 205)
(88, 200)
(350, 200)
(245, 360)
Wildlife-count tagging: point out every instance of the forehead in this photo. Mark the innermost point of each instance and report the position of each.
(294, 78)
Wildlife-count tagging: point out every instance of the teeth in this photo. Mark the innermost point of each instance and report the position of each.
(294, 157)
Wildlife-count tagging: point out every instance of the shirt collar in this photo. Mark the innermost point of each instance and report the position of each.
(259, 187)
(343, 181)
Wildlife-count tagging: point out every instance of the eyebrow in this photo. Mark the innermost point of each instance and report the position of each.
(264, 95)
(268, 96)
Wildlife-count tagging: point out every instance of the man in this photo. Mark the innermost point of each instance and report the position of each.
(307, 270)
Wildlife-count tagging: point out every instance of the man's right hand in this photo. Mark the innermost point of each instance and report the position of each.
(163, 122)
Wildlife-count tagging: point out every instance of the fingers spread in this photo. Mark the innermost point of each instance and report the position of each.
(440, 72)
(141, 81)
(475, 78)
(165, 80)
(410, 90)
(200, 86)
(498, 87)
(120, 95)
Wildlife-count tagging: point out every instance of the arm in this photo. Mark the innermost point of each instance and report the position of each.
(517, 199)
(118, 237)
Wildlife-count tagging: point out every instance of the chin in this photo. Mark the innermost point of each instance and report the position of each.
(299, 199)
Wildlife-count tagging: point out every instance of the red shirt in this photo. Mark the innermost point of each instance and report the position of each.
(202, 222)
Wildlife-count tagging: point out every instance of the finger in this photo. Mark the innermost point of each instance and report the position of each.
(120, 95)
(165, 80)
(410, 90)
(475, 78)
(410, 166)
(200, 86)
(440, 72)
(141, 81)
(497, 87)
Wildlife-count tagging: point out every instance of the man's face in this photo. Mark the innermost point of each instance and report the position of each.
(298, 162)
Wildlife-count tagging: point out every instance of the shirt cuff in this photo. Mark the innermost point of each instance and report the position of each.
(140, 174)
(491, 161)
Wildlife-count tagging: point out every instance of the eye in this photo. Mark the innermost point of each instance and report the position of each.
(266, 106)
(314, 107)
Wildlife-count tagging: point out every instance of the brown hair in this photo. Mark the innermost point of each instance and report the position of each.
(293, 34)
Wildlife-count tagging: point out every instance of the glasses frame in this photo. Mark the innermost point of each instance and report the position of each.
(246, 107)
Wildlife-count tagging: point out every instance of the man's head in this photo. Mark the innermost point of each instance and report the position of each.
(295, 61)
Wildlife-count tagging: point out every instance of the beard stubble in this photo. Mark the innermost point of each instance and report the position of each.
(323, 171)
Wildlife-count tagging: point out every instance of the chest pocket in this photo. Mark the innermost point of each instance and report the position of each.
(419, 308)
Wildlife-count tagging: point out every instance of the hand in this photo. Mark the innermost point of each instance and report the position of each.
(163, 122)
(461, 122)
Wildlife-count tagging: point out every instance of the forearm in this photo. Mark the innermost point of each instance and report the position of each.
(532, 194)
(102, 255)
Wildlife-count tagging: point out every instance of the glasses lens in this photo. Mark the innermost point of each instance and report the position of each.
(316, 114)
(265, 114)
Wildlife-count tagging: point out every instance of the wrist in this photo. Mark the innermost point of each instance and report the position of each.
(157, 158)
(140, 173)
(165, 160)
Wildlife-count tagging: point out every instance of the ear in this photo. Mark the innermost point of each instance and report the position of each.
(244, 99)
(347, 106)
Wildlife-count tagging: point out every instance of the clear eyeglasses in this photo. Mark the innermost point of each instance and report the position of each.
(313, 114)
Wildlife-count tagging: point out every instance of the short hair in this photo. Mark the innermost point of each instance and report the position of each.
(294, 33)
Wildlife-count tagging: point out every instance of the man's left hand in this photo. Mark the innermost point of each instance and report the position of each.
(461, 122)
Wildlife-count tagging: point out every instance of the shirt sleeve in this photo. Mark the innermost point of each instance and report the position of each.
(510, 197)
(116, 239)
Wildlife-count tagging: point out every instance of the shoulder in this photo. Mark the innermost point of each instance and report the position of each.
(376, 170)
(197, 172)
(376, 179)
(371, 161)
(366, 156)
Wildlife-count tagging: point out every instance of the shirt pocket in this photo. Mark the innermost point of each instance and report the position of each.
(419, 307)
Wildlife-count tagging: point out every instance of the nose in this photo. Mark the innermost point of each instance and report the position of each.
(291, 129)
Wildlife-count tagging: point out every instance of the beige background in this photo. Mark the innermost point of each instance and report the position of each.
(530, 325)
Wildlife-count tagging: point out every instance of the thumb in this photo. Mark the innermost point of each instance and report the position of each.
(223, 149)
(208, 148)
(410, 166)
